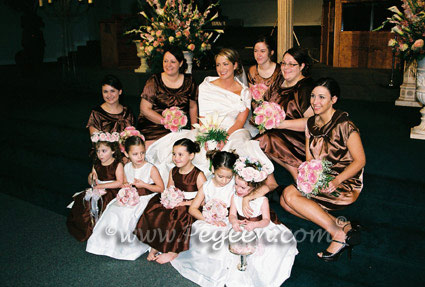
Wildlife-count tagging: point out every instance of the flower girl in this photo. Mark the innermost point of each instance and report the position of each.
(113, 234)
(203, 262)
(166, 228)
(271, 263)
(106, 178)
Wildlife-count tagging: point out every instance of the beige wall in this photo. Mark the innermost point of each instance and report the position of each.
(264, 12)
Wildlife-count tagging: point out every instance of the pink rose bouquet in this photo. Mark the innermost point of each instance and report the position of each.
(171, 197)
(268, 116)
(173, 119)
(314, 176)
(258, 91)
(215, 210)
(128, 196)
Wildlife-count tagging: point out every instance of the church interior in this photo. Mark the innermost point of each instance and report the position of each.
(48, 94)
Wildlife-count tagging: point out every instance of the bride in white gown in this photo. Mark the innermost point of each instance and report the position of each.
(231, 100)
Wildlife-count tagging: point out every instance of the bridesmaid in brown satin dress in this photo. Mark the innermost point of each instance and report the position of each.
(266, 71)
(165, 90)
(110, 116)
(107, 173)
(331, 135)
(286, 144)
(175, 223)
(291, 90)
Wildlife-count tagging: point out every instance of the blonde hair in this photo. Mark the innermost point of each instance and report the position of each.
(233, 57)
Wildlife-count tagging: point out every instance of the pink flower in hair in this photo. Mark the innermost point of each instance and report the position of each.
(103, 137)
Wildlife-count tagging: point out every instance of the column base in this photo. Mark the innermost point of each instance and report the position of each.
(408, 103)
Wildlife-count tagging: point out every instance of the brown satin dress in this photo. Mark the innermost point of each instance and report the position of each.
(330, 142)
(255, 78)
(286, 145)
(106, 122)
(161, 97)
(79, 222)
(158, 221)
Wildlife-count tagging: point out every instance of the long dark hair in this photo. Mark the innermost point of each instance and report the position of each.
(177, 52)
(270, 43)
(191, 147)
(133, 140)
(222, 159)
(114, 147)
(302, 57)
(331, 85)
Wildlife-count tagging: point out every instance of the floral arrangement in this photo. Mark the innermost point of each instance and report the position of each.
(128, 196)
(172, 22)
(129, 132)
(214, 211)
(171, 197)
(409, 30)
(268, 116)
(258, 91)
(314, 176)
(174, 119)
(251, 169)
(105, 137)
(210, 132)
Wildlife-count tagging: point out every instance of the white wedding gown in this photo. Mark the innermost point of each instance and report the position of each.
(212, 99)
(113, 233)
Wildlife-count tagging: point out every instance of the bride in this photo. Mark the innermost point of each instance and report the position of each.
(226, 96)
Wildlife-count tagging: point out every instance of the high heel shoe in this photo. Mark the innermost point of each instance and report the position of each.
(331, 257)
(353, 236)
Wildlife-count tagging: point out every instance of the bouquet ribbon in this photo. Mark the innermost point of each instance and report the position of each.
(93, 195)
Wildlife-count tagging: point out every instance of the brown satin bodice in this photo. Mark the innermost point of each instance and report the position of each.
(330, 142)
(254, 77)
(106, 122)
(105, 173)
(162, 97)
(186, 182)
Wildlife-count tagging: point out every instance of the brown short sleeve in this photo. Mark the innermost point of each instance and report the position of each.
(250, 75)
(304, 94)
(348, 128)
(149, 91)
(194, 91)
(93, 121)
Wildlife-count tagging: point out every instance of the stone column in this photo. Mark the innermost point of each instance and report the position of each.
(284, 27)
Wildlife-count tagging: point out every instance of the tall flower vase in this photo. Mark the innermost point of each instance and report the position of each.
(143, 63)
(408, 88)
(418, 132)
(189, 60)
